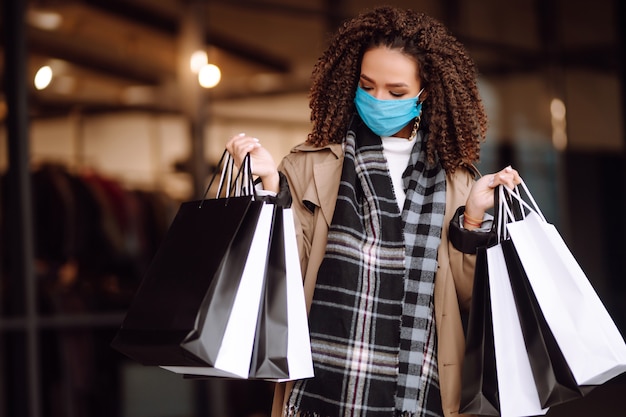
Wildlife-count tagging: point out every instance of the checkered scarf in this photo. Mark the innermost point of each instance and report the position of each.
(371, 320)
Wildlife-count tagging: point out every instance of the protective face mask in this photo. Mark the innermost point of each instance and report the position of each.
(386, 117)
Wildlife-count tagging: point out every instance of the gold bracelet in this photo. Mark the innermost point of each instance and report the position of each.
(469, 223)
(471, 219)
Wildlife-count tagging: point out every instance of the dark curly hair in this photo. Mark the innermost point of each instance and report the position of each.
(453, 112)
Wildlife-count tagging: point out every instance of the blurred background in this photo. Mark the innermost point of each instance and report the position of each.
(112, 112)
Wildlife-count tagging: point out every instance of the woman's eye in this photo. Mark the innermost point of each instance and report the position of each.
(367, 87)
(396, 94)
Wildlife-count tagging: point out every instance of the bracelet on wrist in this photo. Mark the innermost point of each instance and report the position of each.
(471, 219)
(468, 223)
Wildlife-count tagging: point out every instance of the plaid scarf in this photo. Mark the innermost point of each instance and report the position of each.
(371, 320)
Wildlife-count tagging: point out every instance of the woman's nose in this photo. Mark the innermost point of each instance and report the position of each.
(379, 94)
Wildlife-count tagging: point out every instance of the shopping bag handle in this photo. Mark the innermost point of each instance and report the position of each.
(510, 206)
(502, 214)
(236, 187)
(517, 196)
(241, 185)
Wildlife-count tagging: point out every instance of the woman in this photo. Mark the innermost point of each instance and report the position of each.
(386, 207)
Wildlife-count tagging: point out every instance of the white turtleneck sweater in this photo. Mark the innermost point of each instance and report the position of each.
(397, 152)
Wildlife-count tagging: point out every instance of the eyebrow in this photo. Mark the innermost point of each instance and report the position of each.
(366, 78)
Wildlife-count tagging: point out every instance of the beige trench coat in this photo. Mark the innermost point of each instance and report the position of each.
(313, 175)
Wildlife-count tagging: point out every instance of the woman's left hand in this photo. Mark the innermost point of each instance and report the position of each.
(481, 198)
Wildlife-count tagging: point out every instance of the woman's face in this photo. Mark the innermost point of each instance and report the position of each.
(388, 74)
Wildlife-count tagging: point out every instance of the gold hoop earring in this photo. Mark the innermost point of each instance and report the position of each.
(416, 127)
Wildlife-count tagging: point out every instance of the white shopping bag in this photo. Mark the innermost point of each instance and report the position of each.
(516, 387)
(299, 358)
(299, 342)
(588, 337)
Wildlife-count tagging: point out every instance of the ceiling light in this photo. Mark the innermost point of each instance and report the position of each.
(43, 77)
(209, 76)
(557, 109)
(198, 60)
(44, 20)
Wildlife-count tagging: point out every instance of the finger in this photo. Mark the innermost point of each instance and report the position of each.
(242, 138)
(235, 138)
(240, 145)
(501, 178)
(508, 180)
(511, 177)
(253, 144)
(516, 177)
(242, 141)
(509, 172)
(231, 144)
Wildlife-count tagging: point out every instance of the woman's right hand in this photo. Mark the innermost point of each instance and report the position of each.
(261, 160)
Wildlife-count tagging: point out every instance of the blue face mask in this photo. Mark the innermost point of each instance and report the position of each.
(386, 117)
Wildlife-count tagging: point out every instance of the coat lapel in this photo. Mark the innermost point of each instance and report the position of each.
(323, 190)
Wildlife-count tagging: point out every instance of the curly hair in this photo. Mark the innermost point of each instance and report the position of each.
(453, 112)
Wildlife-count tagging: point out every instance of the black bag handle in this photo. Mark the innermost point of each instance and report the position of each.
(241, 185)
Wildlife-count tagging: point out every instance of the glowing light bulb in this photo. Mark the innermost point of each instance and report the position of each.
(209, 76)
(46, 20)
(557, 108)
(198, 60)
(43, 77)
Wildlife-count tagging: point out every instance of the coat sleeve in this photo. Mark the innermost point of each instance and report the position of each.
(303, 217)
(468, 241)
(462, 243)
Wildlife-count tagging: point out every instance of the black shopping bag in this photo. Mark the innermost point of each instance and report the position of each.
(553, 377)
(222, 291)
(195, 273)
(479, 381)
(282, 349)
(269, 357)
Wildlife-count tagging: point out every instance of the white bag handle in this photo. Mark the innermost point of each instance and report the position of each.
(505, 213)
(226, 176)
(504, 216)
(515, 193)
